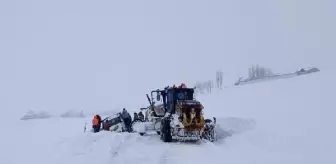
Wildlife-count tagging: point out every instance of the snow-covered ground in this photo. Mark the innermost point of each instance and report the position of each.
(288, 121)
(96, 56)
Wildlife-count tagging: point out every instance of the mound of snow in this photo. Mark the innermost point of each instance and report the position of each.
(235, 124)
(35, 115)
(226, 127)
(73, 114)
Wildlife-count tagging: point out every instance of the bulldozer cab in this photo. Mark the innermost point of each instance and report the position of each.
(163, 101)
(178, 95)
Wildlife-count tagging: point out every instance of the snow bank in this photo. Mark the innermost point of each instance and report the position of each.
(73, 114)
(291, 120)
(229, 126)
(35, 115)
(235, 124)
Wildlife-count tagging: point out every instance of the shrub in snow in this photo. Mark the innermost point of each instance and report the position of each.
(204, 87)
(35, 115)
(219, 79)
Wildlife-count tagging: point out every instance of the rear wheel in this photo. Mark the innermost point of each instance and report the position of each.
(212, 135)
(166, 135)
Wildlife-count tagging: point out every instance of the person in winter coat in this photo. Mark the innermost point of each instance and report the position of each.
(182, 85)
(135, 117)
(99, 121)
(95, 124)
(127, 119)
(141, 117)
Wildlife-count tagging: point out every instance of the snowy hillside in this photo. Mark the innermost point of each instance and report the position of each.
(274, 122)
(294, 117)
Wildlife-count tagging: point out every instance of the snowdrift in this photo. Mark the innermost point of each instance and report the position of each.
(230, 126)
(290, 120)
(35, 115)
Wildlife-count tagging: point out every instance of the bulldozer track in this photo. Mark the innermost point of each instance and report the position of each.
(165, 156)
(116, 149)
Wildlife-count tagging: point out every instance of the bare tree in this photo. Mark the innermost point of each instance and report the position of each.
(256, 71)
(219, 79)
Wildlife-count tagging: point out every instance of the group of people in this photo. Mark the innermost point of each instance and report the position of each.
(138, 117)
(128, 119)
(125, 116)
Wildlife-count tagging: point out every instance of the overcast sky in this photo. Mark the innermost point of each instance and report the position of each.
(98, 55)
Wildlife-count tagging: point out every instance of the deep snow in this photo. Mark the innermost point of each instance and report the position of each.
(274, 122)
(104, 55)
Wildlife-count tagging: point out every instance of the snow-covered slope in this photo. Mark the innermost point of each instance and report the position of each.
(294, 118)
(286, 121)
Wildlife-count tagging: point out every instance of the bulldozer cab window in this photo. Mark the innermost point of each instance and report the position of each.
(157, 98)
(185, 94)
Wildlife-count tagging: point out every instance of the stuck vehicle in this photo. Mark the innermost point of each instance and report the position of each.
(114, 123)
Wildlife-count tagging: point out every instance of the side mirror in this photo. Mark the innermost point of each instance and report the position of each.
(158, 98)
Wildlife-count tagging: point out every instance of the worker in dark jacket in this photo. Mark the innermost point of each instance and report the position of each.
(127, 119)
(141, 117)
(99, 122)
(135, 117)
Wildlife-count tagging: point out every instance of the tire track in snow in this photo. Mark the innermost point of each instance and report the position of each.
(138, 149)
(88, 148)
(151, 150)
(165, 156)
(86, 144)
(115, 149)
(180, 152)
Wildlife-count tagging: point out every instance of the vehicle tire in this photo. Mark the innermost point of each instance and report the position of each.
(166, 135)
(141, 134)
(213, 135)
